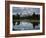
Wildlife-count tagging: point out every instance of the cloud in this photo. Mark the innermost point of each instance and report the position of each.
(25, 10)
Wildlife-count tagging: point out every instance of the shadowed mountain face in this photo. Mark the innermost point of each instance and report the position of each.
(24, 19)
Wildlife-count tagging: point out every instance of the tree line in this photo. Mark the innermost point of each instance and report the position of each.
(30, 17)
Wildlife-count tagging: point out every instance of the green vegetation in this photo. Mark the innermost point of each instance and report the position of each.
(33, 17)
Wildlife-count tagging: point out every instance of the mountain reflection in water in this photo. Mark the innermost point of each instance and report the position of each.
(24, 25)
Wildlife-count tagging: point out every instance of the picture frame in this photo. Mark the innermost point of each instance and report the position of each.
(24, 5)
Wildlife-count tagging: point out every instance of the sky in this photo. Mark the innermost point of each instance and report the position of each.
(25, 10)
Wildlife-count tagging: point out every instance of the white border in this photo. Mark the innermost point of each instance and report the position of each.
(28, 31)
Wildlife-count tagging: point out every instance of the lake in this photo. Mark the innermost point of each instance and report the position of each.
(25, 25)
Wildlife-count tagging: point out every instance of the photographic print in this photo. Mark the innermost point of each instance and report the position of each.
(24, 18)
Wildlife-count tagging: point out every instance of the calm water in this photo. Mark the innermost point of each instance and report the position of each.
(24, 25)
